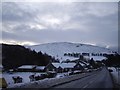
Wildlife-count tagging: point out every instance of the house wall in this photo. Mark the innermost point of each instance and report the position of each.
(68, 69)
(39, 70)
(78, 67)
(25, 70)
(60, 70)
(50, 67)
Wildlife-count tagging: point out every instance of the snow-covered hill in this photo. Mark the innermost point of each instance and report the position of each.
(58, 49)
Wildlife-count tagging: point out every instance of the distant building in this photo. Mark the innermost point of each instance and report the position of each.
(67, 66)
(79, 66)
(31, 68)
(86, 54)
(52, 67)
(26, 68)
(63, 67)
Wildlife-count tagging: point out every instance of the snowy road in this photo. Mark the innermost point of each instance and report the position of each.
(100, 79)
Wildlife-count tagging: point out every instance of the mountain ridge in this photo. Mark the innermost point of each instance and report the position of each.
(58, 49)
(69, 43)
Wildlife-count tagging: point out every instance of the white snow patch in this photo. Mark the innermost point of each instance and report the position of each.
(64, 65)
(58, 49)
(40, 67)
(24, 75)
(26, 67)
(115, 74)
(97, 58)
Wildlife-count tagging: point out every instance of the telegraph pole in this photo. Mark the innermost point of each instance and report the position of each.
(118, 75)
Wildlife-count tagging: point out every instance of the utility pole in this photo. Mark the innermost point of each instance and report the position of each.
(118, 75)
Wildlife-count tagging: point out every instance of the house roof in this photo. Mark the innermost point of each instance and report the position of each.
(64, 65)
(68, 65)
(82, 64)
(26, 67)
(56, 64)
(40, 67)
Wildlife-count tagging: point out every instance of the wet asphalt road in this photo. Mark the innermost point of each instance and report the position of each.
(100, 79)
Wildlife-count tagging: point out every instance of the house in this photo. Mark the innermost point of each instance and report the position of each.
(68, 66)
(86, 54)
(52, 67)
(31, 68)
(79, 66)
(26, 68)
(63, 67)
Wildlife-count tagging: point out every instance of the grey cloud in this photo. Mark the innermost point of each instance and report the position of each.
(86, 22)
(71, 35)
(11, 12)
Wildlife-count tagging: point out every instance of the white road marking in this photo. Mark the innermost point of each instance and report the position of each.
(85, 86)
(90, 82)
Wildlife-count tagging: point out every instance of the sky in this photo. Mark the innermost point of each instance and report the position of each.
(30, 23)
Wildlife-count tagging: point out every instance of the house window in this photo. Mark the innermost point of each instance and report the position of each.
(47, 69)
(77, 66)
(66, 69)
(70, 70)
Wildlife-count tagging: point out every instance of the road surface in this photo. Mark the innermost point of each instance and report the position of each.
(99, 79)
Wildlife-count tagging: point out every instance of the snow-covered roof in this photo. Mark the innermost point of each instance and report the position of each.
(40, 67)
(64, 65)
(56, 64)
(26, 67)
(98, 58)
(70, 58)
(82, 64)
(68, 65)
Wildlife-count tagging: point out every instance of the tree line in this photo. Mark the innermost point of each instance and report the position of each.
(16, 55)
(112, 60)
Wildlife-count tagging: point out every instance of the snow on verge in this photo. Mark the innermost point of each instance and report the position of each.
(115, 74)
(49, 82)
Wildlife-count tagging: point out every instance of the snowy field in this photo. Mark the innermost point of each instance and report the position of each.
(115, 74)
(58, 49)
(25, 76)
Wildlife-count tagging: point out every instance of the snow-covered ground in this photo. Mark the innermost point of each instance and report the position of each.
(115, 74)
(25, 76)
(58, 49)
(49, 82)
(97, 58)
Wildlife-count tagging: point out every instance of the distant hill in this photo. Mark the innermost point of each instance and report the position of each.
(58, 49)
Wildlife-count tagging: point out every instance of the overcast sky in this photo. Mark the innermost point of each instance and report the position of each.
(44, 22)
